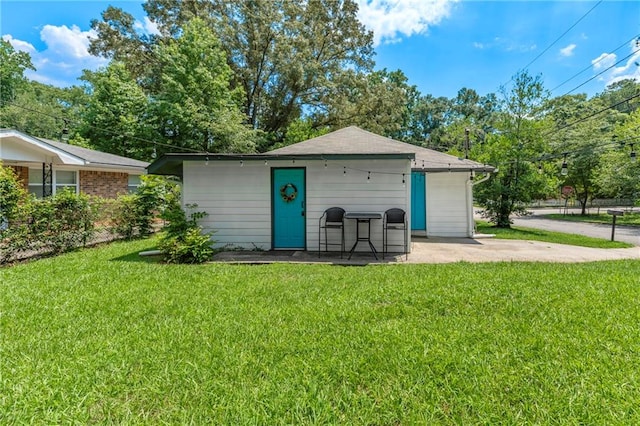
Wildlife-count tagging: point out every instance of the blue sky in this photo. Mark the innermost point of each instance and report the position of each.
(441, 45)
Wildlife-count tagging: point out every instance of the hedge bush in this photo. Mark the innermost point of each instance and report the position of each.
(136, 214)
(68, 220)
(50, 225)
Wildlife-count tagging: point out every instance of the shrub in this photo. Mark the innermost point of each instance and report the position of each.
(182, 240)
(191, 247)
(59, 223)
(50, 225)
(71, 219)
(11, 193)
(135, 214)
(124, 216)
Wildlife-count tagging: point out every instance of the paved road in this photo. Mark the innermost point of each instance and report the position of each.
(627, 234)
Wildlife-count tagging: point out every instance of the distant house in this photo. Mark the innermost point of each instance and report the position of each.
(46, 166)
(349, 168)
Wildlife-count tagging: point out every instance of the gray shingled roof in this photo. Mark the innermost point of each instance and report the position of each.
(89, 156)
(96, 157)
(356, 141)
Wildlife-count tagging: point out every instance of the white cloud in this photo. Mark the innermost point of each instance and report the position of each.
(20, 45)
(65, 56)
(390, 20)
(147, 27)
(506, 45)
(568, 51)
(604, 61)
(628, 70)
(68, 42)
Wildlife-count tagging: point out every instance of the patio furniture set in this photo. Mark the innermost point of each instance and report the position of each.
(394, 219)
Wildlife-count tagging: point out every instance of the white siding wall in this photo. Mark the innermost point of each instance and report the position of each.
(238, 199)
(448, 207)
(330, 187)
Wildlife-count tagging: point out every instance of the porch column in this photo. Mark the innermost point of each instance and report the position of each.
(47, 180)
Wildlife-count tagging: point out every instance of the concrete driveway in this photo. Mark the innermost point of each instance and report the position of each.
(627, 234)
(446, 250)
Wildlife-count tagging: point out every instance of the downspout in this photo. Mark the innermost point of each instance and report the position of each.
(470, 184)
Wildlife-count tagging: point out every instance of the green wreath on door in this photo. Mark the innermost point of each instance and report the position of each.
(288, 192)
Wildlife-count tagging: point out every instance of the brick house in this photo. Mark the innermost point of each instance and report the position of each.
(47, 166)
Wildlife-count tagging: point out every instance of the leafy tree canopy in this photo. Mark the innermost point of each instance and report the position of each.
(12, 67)
(518, 139)
(287, 56)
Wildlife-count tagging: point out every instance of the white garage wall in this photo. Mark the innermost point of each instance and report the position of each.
(330, 187)
(238, 199)
(448, 205)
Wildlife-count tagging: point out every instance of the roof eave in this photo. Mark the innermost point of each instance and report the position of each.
(481, 168)
(65, 157)
(172, 164)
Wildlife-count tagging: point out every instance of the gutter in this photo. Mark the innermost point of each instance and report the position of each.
(484, 179)
(471, 230)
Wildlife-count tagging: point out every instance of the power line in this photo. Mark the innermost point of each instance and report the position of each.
(557, 39)
(603, 71)
(66, 120)
(588, 67)
(562, 35)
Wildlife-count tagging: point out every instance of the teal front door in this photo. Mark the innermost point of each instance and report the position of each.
(288, 208)
(418, 202)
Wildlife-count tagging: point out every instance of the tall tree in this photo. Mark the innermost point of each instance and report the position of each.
(376, 101)
(43, 110)
(622, 95)
(115, 118)
(517, 141)
(286, 55)
(427, 118)
(582, 129)
(195, 106)
(468, 121)
(120, 41)
(618, 172)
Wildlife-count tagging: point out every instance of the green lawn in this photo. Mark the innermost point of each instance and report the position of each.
(103, 336)
(522, 233)
(629, 219)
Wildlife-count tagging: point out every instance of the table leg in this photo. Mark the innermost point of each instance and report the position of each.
(367, 239)
(357, 239)
(373, 248)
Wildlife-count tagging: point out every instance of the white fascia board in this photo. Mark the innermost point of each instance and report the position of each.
(63, 156)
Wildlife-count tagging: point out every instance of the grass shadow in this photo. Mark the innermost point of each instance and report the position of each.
(135, 257)
(444, 240)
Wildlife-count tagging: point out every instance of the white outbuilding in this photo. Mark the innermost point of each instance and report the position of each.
(275, 200)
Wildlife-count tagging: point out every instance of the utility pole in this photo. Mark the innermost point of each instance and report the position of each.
(466, 144)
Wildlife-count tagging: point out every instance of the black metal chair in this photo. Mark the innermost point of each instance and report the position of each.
(333, 219)
(396, 220)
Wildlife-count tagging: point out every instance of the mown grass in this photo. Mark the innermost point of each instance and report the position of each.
(629, 218)
(103, 336)
(531, 234)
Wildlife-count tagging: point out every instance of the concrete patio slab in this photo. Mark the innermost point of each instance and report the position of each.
(445, 250)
